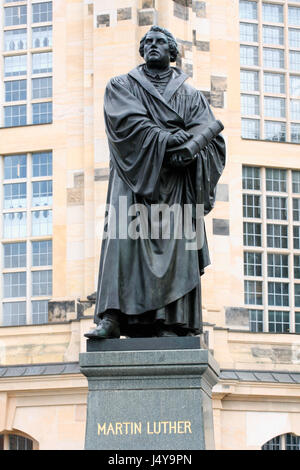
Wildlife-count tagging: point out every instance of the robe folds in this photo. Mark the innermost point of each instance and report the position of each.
(149, 278)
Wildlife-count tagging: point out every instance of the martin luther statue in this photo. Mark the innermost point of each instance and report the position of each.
(164, 152)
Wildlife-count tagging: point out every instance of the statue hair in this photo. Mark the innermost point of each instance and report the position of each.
(171, 40)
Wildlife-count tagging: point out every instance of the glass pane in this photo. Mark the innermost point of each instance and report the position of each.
(273, 58)
(277, 236)
(15, 39)
(274, 83)
(14, 284)
(275, 131)
(249, 104)
(42, 113)
(276, 180)
(39, 311)
(41, 223)
(42, 62)
(15, 195)
(14, 313)
(42, 253)
(250, 129)
(15, 115)
(251, 177)
(248, 32)
(295, 61)
(273, 35)
(16, 90)
(15, 65)
(42, 193)
(249, 55)
(41, 12)
(42, 164)
(42, 36)
(294, 38)
(294, 16)
(15, 15)
(41, 282)
(14, 255)
(14, 167)
(249, 80)
(14, 225)
(272, 13)
(295, 85)
(274, 107)
(248, 10)
(42, 87)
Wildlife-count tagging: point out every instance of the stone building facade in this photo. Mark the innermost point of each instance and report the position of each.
(57, 58)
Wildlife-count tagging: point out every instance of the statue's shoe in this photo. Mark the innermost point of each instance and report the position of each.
(107, 329)
(161, 333)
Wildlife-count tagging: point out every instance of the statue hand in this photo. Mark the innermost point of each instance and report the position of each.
(179, 161)
(178, 138)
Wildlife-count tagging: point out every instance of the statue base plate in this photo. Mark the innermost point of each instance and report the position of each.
(149, 393)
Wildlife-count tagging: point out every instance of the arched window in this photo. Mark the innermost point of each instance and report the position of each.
(16, 441)
(283, 442)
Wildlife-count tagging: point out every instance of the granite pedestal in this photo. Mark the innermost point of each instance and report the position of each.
(149, 393)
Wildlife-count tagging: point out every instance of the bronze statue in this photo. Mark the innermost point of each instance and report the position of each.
(165, 152)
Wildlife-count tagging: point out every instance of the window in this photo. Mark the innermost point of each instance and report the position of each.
(42, 62)
(249, 55)
(283, 442)
(275, 131)
(250, 104)
(296, 210)
(27, 247)
(14, 195)
(253, 292)
(295, 133)
(15, 65)
(42, 253)
(273, 35)
(41, 283)
(273, 58)
(295, 109)
(41, 12)
(295, 85)
(278, 294)
(39, 311)
(42, 113)
(251, 177)
(256, 320)
(250, 129)
(272, 13)
(295, 61)
(15, 15)
(274, 83)
(252, 264)
(14, 313)
(15, 90)
(277, 236)
(41, 223)
(17, 442)
(276, 208)
(248, 32)
(296, 181)
(279, 321)
(42, 164)
(274, 107)
(42, 193)
(294, 38)
(251, 206)
(14, 284)
(248, 10)
(15, 39)
(276, 180)
(252, 234)
(42, 87)
(15, 167)
(15, 115)
(297, 295)
(249, 80)
(14, 255)
(294, 16)
(42, 36)
(296, 233)
(278, 265)
(297, 266)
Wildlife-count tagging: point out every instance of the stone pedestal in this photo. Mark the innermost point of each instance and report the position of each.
(149, 393)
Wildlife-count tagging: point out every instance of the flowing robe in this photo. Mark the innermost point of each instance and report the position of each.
(144, 278)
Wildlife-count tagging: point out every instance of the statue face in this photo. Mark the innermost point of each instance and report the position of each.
(156, 49)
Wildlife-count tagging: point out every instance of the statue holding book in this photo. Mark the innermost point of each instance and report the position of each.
(166, 152)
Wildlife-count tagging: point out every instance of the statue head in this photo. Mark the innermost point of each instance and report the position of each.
(163, 42)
